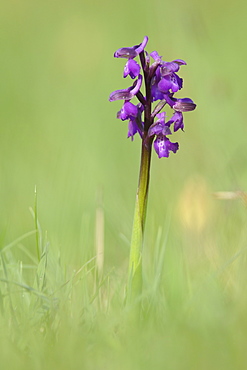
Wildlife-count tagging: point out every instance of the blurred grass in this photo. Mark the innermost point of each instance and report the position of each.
(59, 133)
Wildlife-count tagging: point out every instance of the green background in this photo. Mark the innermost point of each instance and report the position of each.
(59, 133)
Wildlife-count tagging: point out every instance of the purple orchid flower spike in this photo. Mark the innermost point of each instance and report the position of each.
(162, 82)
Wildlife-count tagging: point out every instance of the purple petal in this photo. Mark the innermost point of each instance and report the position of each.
(132, 129)
(184, 105)
(180, 61)
(127, 94)
(158, 129)
(125, 53)
(165, 84)
(156, 93)
(131, 68)
(168, 68)
(177, 82)
(155, 129)
(141, 47)
(169, 99)
(161, 117)
(172, 147)
(162, 146)
(128, 110)
(177, 120)
(137, 85)
(131, 53)
(124, 94)
(170, 82)
(156, 56)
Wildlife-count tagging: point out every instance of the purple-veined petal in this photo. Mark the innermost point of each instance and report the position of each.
(125, 53)
(127, 94)
(180, 61)
(124, 94)
(132, 52)
(168, 68)
(184, 105)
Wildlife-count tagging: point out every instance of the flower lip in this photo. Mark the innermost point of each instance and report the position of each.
(163, 146)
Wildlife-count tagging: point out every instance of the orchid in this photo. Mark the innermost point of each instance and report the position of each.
(147, 117)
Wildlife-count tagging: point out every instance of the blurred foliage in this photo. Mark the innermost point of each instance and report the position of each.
(59, 132)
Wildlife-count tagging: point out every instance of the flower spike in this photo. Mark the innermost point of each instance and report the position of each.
(162, 82)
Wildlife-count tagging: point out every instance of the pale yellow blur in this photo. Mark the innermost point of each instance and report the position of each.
(195, 204)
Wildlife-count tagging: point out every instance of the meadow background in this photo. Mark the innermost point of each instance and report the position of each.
(59, 135)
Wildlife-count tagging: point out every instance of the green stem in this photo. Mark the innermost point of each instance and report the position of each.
(135, 260)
